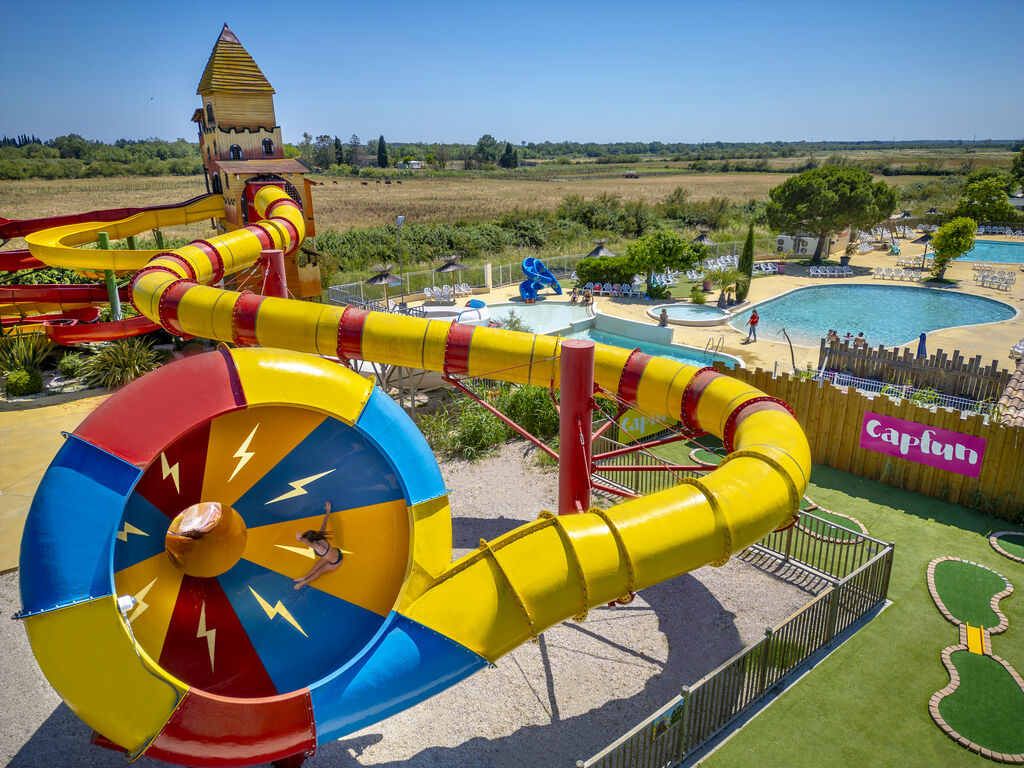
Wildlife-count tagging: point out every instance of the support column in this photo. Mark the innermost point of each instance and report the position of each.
(274, 281)
(108, 278)
(574, 425)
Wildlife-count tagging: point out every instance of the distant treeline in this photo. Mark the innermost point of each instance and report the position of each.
(74, 157)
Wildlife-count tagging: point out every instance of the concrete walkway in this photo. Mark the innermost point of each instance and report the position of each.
(30, 434)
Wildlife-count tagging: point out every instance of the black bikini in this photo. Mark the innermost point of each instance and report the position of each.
(329, 548)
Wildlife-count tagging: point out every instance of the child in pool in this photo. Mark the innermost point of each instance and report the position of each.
(329, 557)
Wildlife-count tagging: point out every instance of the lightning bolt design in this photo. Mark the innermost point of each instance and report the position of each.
(140, 601)
(167, 469)
(129, 528)
(209, 634)
(243, 454)
(277, 610)
(299, 487)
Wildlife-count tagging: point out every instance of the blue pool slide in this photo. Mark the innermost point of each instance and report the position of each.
(538, 277)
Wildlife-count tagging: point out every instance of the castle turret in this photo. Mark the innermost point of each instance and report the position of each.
(239, 137)
(242, 149)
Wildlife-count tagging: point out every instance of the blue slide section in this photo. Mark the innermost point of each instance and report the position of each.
(407, 664)
(538, 277)
(65, 548)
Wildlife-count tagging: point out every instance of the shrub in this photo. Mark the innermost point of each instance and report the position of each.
(21, 382)
(119, 363)
(70, 365)
(531, 408)
(697, 295)
(604, 269)
(659, 292)
(26, 352)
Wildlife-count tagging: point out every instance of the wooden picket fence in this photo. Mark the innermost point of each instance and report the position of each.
(831, 418)
(951, 374)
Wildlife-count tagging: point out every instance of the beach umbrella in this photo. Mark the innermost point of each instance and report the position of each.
(383, 277)
(921, 351)
(600, 250)
(702, 239)
(933, 212)
(451, 264)
(925, 239)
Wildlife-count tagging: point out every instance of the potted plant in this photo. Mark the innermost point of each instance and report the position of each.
(697, 296)
(708, 282)
(851, 248)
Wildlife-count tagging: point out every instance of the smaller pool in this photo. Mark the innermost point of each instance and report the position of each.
(995, 251)
(543, 317)
(691, 314)
(687, 355)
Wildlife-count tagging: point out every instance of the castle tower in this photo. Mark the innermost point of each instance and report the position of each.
(239, 137)
(242, 149)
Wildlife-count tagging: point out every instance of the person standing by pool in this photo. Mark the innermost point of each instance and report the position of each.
(860, 342)
(663, 318)
(752, 322)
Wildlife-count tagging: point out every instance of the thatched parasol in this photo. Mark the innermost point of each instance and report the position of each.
(600, 250)
(383, 277)
(702, 239)
(451, 264)
(925, 238)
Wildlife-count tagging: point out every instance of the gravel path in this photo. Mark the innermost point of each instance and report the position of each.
(548, 703)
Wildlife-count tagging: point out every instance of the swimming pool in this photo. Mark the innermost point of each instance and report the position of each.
(886, 314)
(543, 317)
(688, 355)
(996, 252)
(691, 314)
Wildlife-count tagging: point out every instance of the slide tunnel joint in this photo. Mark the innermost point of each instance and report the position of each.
(748, 408)
(620, 544)
(559, 523)
(721, 523)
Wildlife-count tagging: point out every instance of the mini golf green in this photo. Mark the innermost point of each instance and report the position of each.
(988, 705)
(705, 456)
(966, 590)
(850, 527)
(1012, 543)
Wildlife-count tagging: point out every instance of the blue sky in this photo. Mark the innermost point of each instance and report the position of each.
(531, 71)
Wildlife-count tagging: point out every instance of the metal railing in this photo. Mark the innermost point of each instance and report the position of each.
(896, 392)
(701, 711)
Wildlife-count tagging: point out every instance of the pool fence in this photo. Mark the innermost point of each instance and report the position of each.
(950, 374)
(852, 572)
(833, 418)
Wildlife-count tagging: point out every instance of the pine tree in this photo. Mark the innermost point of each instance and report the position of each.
(339, 150)
(746, 265)
(382, 152)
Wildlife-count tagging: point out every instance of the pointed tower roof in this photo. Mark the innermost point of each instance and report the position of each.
(231, 68)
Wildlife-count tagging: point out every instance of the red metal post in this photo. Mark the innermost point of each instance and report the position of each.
(274, 281)
(575, 425)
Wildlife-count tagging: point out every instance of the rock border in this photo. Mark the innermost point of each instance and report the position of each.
(857, 538)
(954, 674)
(994, 541)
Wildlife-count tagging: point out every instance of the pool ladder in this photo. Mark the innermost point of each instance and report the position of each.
(712, 348)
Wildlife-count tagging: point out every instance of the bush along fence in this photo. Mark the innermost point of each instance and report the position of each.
(948, 454)
(856, 573)
(951, 375)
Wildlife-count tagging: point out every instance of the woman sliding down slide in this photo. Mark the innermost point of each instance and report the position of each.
(330, 557)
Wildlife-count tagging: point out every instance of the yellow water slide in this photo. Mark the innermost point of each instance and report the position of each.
(541, 573)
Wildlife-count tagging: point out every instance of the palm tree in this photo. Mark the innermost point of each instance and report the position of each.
(725, 278)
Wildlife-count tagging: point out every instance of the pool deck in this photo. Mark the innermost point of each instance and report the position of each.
(992, 341)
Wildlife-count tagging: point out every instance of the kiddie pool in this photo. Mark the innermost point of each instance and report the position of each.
(690, 314)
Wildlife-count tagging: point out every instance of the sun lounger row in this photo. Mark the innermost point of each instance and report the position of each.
(1017, 350)
(1005, 231)
(831, 272)
(447, 293)
(914, 261)
(927, 227)
(613, 289)
(1002, 279)
(888, 273)
(766, 267)
(732, 260)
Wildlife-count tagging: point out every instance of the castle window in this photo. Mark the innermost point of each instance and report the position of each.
(209, 113)
(268, 147)
(215, 184)
(236, 152)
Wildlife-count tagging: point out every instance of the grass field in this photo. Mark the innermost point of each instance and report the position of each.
(867, 704)
(348, 203)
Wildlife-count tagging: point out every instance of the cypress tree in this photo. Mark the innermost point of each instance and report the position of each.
(746, 264)
(382, 152)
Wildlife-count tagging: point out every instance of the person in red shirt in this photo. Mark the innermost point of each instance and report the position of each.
(752, 322)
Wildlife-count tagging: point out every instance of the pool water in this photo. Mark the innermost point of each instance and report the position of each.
(996, 252)
(687, 355)
(887, 314)
(542, 317)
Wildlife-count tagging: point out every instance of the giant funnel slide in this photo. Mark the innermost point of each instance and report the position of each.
(217, 660)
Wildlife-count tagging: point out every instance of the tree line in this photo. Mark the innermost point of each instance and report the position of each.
(73, 156)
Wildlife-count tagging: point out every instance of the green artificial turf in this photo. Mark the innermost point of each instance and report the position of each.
(850, 529)
(1013, 543)
(867, 703)
(988, 705)
(702, 454)
(966, 590)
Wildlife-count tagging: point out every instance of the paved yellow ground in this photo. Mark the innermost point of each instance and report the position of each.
(30, 434)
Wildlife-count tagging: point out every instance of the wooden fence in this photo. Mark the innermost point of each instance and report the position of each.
(952, 375)
(831, 418)
(701, 711)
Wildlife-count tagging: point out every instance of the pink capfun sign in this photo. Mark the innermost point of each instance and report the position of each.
(942, 448)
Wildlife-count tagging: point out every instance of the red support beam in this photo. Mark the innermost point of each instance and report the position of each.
(640, 446)
(652, 467)
(575, 424)
(609, 489)
(512, 425)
